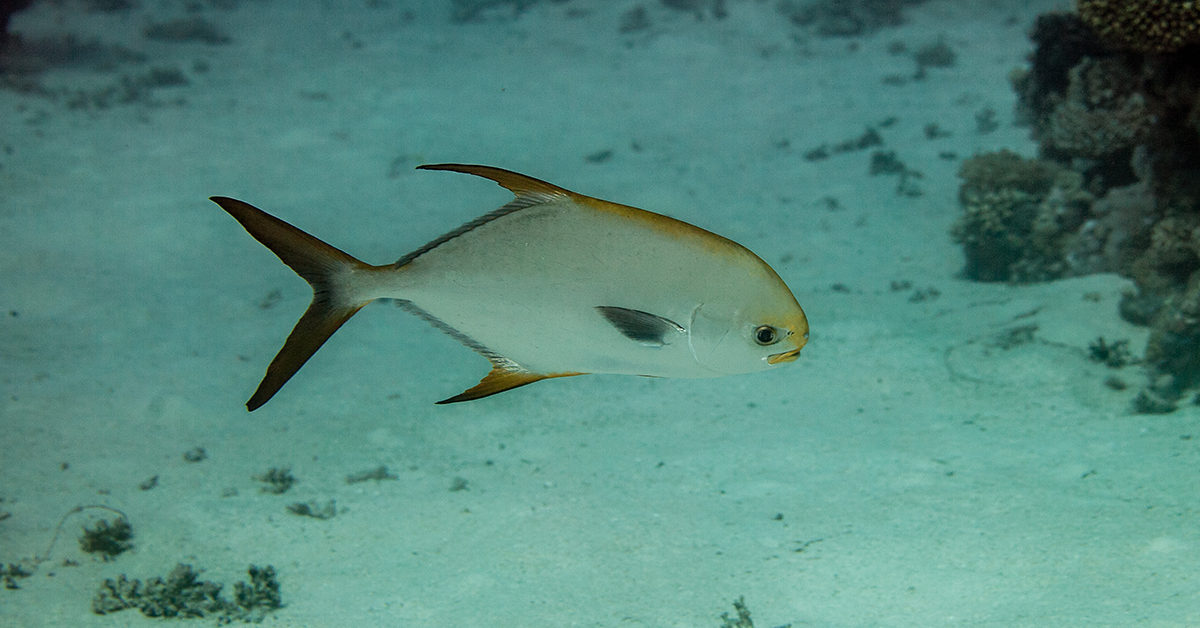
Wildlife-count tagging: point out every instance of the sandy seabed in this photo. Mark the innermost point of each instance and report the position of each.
(943, 453)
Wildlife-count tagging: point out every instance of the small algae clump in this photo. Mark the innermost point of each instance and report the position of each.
(463, 11)
(9, 574)
(107, 540)
(846, 18)
(743, 616)
(182, 594)
(191, 29)
(277, 481)
(378, 473)
(314, 509)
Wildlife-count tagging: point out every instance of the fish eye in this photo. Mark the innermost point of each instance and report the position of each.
(766, 335)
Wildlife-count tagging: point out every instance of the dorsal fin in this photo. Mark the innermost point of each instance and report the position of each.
(528, 191)
(517, 183)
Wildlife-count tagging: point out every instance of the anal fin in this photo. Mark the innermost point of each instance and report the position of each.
(505, 374)
(499, 380)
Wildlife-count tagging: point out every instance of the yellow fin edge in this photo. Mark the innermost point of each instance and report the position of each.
(500, 380)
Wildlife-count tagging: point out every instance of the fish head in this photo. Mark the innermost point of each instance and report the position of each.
(748, 336)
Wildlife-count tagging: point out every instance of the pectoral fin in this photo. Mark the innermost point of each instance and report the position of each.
(641, 327)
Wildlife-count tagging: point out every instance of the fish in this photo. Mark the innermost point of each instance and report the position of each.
(552, 284)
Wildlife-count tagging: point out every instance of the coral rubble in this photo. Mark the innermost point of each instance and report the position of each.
(182, 594)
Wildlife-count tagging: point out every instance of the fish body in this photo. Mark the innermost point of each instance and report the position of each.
(554, 284)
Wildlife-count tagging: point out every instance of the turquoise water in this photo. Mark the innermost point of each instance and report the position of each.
(917, 466)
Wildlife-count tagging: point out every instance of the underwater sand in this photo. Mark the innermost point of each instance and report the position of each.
(931, 460)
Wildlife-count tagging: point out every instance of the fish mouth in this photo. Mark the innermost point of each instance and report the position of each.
(786, 356)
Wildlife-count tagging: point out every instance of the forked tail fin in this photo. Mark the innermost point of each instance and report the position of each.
(330, 273)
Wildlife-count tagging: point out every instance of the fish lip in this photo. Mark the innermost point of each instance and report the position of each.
(786, 356)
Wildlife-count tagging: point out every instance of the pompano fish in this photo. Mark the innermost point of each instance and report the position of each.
(553, 284)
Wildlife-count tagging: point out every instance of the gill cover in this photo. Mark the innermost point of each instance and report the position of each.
(708, 334)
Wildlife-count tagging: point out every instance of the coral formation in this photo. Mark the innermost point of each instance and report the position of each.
(1017, 212)
(1143, 25)
(1173, 352)
(1112, 95)
(1083, 101)
(1114, 234)
(1100, 113)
